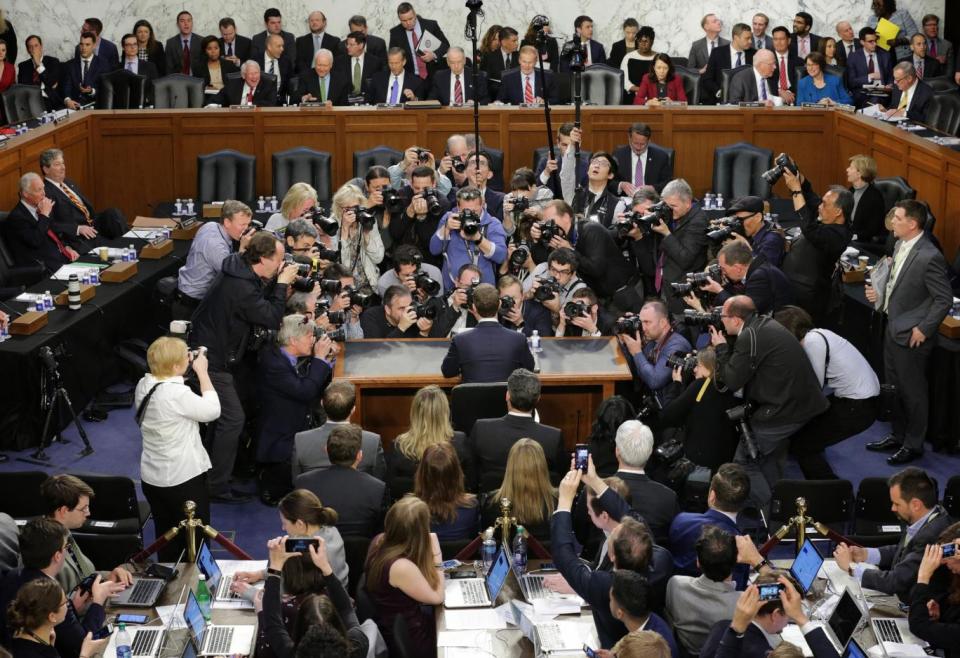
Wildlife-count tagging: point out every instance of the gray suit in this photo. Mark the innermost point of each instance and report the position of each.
(694, 605)
(698, 52)
(310, 452)
(743, 87)
(9, 544)
(767, 42)
(921, 297)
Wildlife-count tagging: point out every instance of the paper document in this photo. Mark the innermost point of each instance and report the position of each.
(879, 274)
(428, 42)
(477, 619)
(555, 606)
(479, 640)
(886, 31)
(63, 274)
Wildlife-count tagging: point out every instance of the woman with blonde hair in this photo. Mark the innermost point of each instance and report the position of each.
(454, 513)
(361, 247)
(526, 483)
(429, 425)
(868, 206)
(300, 198)
(404, 572)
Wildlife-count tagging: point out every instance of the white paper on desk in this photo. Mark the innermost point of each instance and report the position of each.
(476, 639)
(471, 620)
(873, 111)
(63, 274)
(467, 652)
(551, 607)
(895, 649)
(140, 234)
(29, 298)
(428, 42)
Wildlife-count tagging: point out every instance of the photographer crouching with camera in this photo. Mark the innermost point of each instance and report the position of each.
(250, 291)
(583, 316)
(743, 273)
(423, 205)
(469, 234)
(650, 339)
(399, 316)
(781, 393)
(554, 282)
(455, 315)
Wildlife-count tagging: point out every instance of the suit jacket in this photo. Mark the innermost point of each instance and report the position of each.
(684, 250)
(147, 69)
(226, 68)
(766, 285)
(398, 39)
(491, 440)
(50, 78)
(310, 452)
(695, 604)
(107, 52)
(304, 49)
(814, 44)
(73, 79)
(917, 109)
(743, 87)
(792, 64)
(379, 86)
(685, 530)
(27, 240)
(242, 47)
(931, 67)
(767, 42)
(66, 218)
(337, 89)
(401, 469)
(265, 95)
(440, 87)
(657, 171)
(511, 87)
(867, 221)
(856, 72)
(359, 498)
(486, 353)
(285, 65)
(258, 46)
(648, 90)
(698, 57)
(656, 503)
(617, 52)
(343, 65)
(493, 65)
(597, 55)
(375, 46)
(921, 295)
(173, 50)
(493, 202)
(712, 81)
(842, 55)
(723, 642)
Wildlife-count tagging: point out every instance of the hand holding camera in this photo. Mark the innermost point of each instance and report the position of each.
(288, 272)
(198, 359)
(322, 347)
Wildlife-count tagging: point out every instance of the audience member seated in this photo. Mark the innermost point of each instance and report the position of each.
(73, 217)
(593, 51)
(454, 513)
(491, 439)
(42, 71)
(495, 63)
(611, 414)
(397, 84)
(359, 498)
(523, 315)
(638, 64)
(695, 604)
(249, 88)
(756, 84)
(828, 48)
(322, 84)
(131, 62)
(8, 73)
(396, 317)
(34, 616)
(911, 96)
(277, 62)
(867, 219)
(527, 484)
(403, 575)
(651, 345)
(215, 69)
(819, 86)
(81, 75)
(27, 231)
(356, 64)
(923, 64)
(935, 618)
(661, 84)
(787, 63)
(526, 85)
(630, 603)
(429, 425)
(867, 66)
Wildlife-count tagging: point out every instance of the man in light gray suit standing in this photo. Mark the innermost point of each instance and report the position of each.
(310, 447)
(916, 297)
(701, 48)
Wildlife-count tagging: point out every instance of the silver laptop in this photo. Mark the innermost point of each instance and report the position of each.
(895, 629)
(218, 583)
(210, 639)
(533, 588)
(844, 621)
(150, 642)
(145, 592)
(477, 592)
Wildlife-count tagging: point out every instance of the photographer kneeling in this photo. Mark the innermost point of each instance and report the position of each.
(582, 316)
(520, 314)
(650, 339)
(748, 275)
(399, 316)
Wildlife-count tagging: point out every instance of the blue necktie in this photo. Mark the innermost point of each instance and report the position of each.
(394, 91)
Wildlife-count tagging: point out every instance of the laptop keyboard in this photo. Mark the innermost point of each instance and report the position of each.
(473, 593)
(144, 591)
(535, 588)
(887, 630)
(218, 639)
(224, 593)
(144, 641)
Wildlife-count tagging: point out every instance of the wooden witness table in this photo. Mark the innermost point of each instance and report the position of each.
(577, 374)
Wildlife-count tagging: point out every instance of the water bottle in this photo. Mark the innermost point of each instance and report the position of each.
(260, 204)
(719, 205)
(520, 551)
(535, 341)
(488, 552)
(708, 201)
(203, 597)
(190, 207)
(47, 301)
(273, 204)
(4, 334)
(179, 207)
(95, 277)
(133, 254)
(123, 642)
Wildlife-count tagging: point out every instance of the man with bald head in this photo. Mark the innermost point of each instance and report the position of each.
(248, 89)
(314, 41)
(273, 61)
(322, 83)
(454, 86)
(756, 83)
(847, 42)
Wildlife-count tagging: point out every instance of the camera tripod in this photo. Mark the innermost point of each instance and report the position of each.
(59, 396)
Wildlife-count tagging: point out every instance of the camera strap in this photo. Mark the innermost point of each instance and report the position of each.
(142, 409)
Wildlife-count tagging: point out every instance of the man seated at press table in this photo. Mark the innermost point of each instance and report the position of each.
(73, 217)
(27, 232)
(488, 352)
(249, 88)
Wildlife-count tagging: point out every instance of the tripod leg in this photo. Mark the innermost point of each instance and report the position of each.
(40, 453)
(87, 448)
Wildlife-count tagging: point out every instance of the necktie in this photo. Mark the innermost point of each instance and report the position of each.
(933, 48)
(83, 76)
(356, 76)
(36, 76)
(763, 89)
(185, 67)
(739, 59)
(870, 68)
(56, 241)
(458, 92)
(850, 49)
(323, 88)
(316, 43)
(230, 49)
(638, 172)
(803, 48)
(528, 97)
(418, 61)
(783, 74)
(250, 97)
(713, 44)
(130, 66)
(759, 44)
(75, 200)
(273, 69)
(394, 91)
(506, 60)
(903, 101)
(920, 69)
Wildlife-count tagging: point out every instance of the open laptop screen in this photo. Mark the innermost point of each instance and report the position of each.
(193, 615)
(854, 650)
(498, 575)
(806, 566)
(845, 618)
(208, 565)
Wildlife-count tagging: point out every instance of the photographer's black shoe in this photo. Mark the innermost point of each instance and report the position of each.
(886, 444)
(231, 498)
(903, 456)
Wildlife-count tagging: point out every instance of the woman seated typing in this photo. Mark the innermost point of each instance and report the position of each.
(933, 618)
(662, 83)
(454, 513)
(526, 483)
(819, 86)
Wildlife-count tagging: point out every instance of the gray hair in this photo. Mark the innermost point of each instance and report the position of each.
(457, 49)
(28, 178)
(233, 207)
(272, 37)
(524, 389)
(298, 302)
(293, 327)
(248, 65)
(301, 227)
(645, 193)
(634, 443)
(48, 156)
(323, 51)
(678, 187)
(906, 68)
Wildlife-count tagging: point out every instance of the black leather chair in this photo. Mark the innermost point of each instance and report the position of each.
(383, 156)
(540, 155)
(951, 496)
(226, 174)
(893, 189)
(691, 83)
(108, 549)
(116, 504)
(468, 402)
(496, 166)
(13, 278)
(872, 514)
(839, 71)
(725, 75)
(20, 493)
(121, 90)
(737, 168)
(293, 90)
(942, 84)
(178, 91)
(601, 85)
(666, 150)
(402, 647)
(943, 113)
(302, 165)
(22, 102)
(679, 61)
(355, 553)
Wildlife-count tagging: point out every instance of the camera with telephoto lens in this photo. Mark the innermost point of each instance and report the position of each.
(574, 53)
(364, 216)
(683, 288)
(713, 272)
(686, 361)
(338, 335)
(459, 164)
(656, 215)
(781, 165)
(423, 282)
(548, 289)
(741, 416)
(432, 197)
(468, 291)
(518, 258)
(549, 230)
(693, 318)
(423, 155)
(303, 269)
(576, 310)
(506, 305)
(721, 229)
(357, 298)
(318, 216)
(392, 200)
(469, 222)
(629, 324)
(648, 409)
(331, 255)
(425, 310)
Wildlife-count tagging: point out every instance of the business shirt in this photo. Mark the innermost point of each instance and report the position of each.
(272, 67)
(873, 554)
(762, 90)
(205, 259)
(398, 81)
(898, 260)
(695, 604)
(848, 374)
(651, 363)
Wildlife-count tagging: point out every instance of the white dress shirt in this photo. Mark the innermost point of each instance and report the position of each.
(847, 375)
(761, 81)
(733, 57)
(135, 68)
(267, 61)
(246, 91)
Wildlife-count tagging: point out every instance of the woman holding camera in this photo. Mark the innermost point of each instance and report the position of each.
(300, 198)
(361, 248)
(174, 464)
(32, 616)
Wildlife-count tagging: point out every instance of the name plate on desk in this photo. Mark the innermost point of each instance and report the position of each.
(243, 107)
(29, 323)
(87, 292)
(950, 327)
(751, 104)
(187, 229)
(118, 272)
(156, 250)
(422, 105)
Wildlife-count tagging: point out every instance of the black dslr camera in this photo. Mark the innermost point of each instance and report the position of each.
(432, 197)
(425, 310)
(423, 155)
(392, 200)
(548, 289)
(423, 282)
(469, 290)
(459, 164)
(629, 324)
(694, 318)
(520, 203)
(781, 165)
(576, 309)
(518, 258)
(683, 360)
(549, 230)
(506, 305)
(338, 335)
(574, 53)
(364, 216)
(303, 269)
(656, 214)
(469, 222)
(722, 229)
(357, 298)
(318, 216)
(741, 416)
(698, 279)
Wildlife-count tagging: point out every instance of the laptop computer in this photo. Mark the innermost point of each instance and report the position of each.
(150, 642)
(854, 650)
(210, 639)
(218, 583)
(532, 586)
(145, 592)
(887, 629)
(478, 592)
(806, 566)
(844, 620)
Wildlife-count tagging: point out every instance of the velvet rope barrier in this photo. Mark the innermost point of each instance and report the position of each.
(799, 523)
(191, 523)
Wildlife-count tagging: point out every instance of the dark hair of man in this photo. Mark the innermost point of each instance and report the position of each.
(486, 299)
(479, 154)
(586, 294)
(716, 553)
(844, 201)
(88, 35)
(633, 545)
(207, 40)
(647, 32)
(807, 18)
(96, 25)
(337, 271)
(736, 253)
(506, 33)
(524, 389)
(262, 245)
(865, 32)
(469, 267)
(796, 320)
(617, 485)
(184, 12)
(564, 256)
(611, 161)
(562, 207)
(226, 21)
(658, 306)
(629, 22)
(272, 12)
(780, 28)
(769, 578)
(123, 39)
(63, 491)
(930, 18)
(393, 292)
(358, 37)
(566, 128)
(423, 171)
(731, 487)
(340, 397)
(233, 207)
(580, 20)
(740, 28)
(632, 592)
(639, 128)
(33, 36)
(376, 171)
(40, 539)
(404, 8)
(344, 444)
(742, 307)
(915, 483)
(358, 19)
(523, 179)
(915, 210)
(322, 641)
(406, 254)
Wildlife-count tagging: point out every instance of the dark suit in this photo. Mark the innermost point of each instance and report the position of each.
(919, 102)
(375, 46)
(602, 205)
(305, 49)
(486, 353)
(50, 79)
(711, 84)
(553, 182)
(173, 49)
(597, 55)
(107, 51)
(226, 68)
(931, 67)
(792, 64)
(700, 52)
(493, 202)
(73, 79)
(144, 68)
(535, 318)
(380, 82)
(493, 65)
(656, 503)
(398, 39)
(338, 87)
(617, 52)
(27, 240)
(492, 438)
(657, 171)
(766, 285)
(814, 44)
(359, 498)
(868, 217)
(343, 67)
(684, 250)
(242, 47)
(685, 529)
(842, 54)
(511, 88)
(286, 72)
(743, 87)
(258, 45)
(310, 451)
(66, 218)
(265, 95)
(723, 642)
(766, 42)
(440, 87)
(856, 72)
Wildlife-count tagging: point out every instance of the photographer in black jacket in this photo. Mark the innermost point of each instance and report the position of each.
(749, 275)
(424, 206)
(682, 242)
(250, 291)
(520, 314)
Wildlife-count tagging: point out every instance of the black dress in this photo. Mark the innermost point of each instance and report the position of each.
(22, 648)
(401, 469)
(710, 439)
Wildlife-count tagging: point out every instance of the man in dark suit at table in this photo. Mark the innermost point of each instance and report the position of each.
(234, 47)
(308, 45)
(184, 51)
(488, 352)
(27, 231)
(323, 84)
(454, 86)
(41, 71)
(248, 89)
(357, 65)
(81, 75)
(375, 45)
(738, 54)
(395, 85)
(756, 83)
(593, 51)
(274, 62)
(847, 42)
(867, 66)
(105, 50)
(492, 438)
(73, 217)
(926, 66)
(638, 164)
(273, 25)
(422, 62)
(803, 41)
(526, 84)
(785, 74)
(911, 96)
(503, 59)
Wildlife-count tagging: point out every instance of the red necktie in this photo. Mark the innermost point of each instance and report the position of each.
(920, 69)
(870, 68)
(528, 97)
(185, 67)
(783, 74)
(418, 61)
(60, 247)
(36, 76)
(933, 48)
(458, 92)
(250, 96)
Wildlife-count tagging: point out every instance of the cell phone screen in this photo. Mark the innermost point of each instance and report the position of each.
(770, 592)
(949, 550)
(301, 544)
(589, 652)
(582, 456)
(131, 619)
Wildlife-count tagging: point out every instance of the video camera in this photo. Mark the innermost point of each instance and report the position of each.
(723, 228)
(781, 165)
(574, 53)
(469, 222)
(686, 361)
(694, 318)
(548, 289)
(629, 324)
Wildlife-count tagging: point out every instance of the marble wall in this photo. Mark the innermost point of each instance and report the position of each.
(677, 23)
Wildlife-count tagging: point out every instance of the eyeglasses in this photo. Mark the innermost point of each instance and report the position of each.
(557, 272)
(869, 40)
(85, 509)
(468, 196)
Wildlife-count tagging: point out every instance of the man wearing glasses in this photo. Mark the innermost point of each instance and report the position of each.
(867, 66)
(911, 95)
(562, 266)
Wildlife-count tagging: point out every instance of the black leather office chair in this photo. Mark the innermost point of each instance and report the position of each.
(226, 174)
(601, 85)
(22, 102)
(383, 156)
(469, 402)
(293, 90)
(14, 278)
(872, 514)
(951, 497)
(178, 91)
(108, 549)
(679, 61)
(691, 83)
(540, 156)
(121, 90)
(737, 168)
(19, 491)
(302, 165)
(496, 166)
(117, 504)
(839, 71)
(725, 76)
(942, 84)
(893, 189)
(666, 150)
(943, 113)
